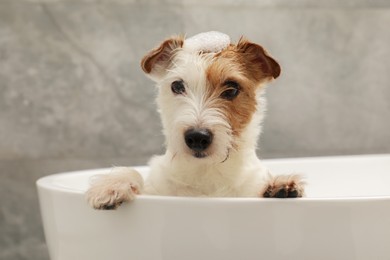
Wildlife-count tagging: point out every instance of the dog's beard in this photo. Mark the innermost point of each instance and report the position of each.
(208, 157)
(205, 155)
(227, 155)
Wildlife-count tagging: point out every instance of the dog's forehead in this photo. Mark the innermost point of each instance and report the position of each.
(225, 66)
(190, 67)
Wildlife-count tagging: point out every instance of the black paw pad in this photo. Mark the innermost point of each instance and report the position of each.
(282, 193)
(292, 194)
(111, 206)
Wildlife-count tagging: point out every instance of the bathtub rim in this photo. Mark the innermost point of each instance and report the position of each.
(46, 183)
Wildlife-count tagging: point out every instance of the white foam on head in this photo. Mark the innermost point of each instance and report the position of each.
(207, 42)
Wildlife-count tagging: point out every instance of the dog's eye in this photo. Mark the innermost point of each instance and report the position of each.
(233, 89)
(177, 87)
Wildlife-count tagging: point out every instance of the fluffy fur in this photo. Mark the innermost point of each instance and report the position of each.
(228, 167)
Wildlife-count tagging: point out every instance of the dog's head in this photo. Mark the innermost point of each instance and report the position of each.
(210, 102)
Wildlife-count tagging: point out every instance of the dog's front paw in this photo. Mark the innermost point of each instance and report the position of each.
(109, 191)
(285, 186)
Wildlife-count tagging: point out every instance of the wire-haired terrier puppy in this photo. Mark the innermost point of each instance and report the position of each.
(211, 105)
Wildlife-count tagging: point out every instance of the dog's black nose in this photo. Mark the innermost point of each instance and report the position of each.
(198, 139)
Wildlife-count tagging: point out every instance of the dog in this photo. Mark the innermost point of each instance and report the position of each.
(210, 98)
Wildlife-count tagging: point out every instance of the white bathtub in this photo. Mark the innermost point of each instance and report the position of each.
(346, 216)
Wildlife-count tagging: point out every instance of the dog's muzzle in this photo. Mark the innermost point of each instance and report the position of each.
(198, 140)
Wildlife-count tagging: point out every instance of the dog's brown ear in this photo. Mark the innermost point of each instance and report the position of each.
(156, 62)
(259, 63)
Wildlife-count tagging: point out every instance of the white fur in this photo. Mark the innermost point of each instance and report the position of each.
(226, 171)
(178, 113)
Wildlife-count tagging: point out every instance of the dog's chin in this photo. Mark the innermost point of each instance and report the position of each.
(206, 156)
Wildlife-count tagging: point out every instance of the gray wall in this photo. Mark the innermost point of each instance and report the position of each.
(72, 95)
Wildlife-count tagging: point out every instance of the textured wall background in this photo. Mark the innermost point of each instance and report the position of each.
(72, 95)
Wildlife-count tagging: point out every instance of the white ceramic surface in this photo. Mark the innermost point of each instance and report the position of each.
(346, 216)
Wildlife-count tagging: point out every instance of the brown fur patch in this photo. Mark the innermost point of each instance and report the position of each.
(238, 111)
(162, 54)
(247, 64)
(259, 65)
